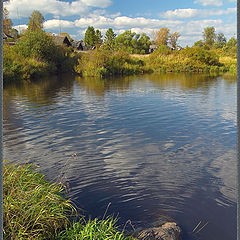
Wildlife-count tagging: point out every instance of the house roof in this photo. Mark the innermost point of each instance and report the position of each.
(61, 40)
(153, 46)
(6, 36)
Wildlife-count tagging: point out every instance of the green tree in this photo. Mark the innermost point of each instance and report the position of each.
(124, 40)
(198, 43)
(35, 21)
(144, 43)
(109, 39)
(232, 42)
(98, 37)
(133, 43)
(173, 38)
(162, 37)
(37, 44)
(209, 36)
(220, 41)
(7, 23)
(90, 36)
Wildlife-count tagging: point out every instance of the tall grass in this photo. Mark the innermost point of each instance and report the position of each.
(102, 63)
(94, 230)
(187, 60)
(33, 207)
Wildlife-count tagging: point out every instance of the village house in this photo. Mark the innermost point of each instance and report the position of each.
(152, 48)
(79, 45)
(62, 40)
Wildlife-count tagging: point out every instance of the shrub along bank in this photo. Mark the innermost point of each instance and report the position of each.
(36, 55)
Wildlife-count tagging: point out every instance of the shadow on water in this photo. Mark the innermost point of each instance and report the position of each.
(153, 145)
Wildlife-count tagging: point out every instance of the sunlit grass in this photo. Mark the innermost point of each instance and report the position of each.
(33, 207)
(94, 230)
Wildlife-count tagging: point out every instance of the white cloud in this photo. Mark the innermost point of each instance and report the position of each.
(56, 24)
(98, 3)
(20, 27)
(193, 13)
(98, 21)
(24, 8)
(216, 3)
(124, 22)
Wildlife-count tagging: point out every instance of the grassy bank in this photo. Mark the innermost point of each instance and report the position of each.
(26, 62)
(34, 208)
(35, 55)
(103, 63)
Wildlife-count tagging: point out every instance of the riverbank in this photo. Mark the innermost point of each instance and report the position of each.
(34, 208)
(23, 64)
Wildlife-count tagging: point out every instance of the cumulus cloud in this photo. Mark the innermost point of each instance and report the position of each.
(97, 3)
(20, 27)
(99, 18)
(124, 22)
(193, 13)
(23, 8)
(56, 24)
(216, 3)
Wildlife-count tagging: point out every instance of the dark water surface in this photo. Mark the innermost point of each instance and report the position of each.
(152, 146)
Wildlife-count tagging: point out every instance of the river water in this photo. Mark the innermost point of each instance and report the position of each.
(152, 146)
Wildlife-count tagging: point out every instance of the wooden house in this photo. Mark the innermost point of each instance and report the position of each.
(79, 45)
(152, 48)
(61, 40)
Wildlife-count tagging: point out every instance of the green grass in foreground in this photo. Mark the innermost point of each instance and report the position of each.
(34, 208)
(94, 230)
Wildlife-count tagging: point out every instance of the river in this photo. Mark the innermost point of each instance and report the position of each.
(153, 146)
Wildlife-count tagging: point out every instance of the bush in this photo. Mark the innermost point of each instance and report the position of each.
(37, 44)
(103, 63)
(198, 54)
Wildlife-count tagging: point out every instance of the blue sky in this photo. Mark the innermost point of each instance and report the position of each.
(188, 17)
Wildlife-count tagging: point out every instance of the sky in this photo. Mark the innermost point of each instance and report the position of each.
(188, 17)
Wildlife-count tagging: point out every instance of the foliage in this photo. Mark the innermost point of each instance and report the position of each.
(98, 37)
(7, 23)
(162, 36)
(230, 49)
(173, 37)
(35, 21)
(36, 44)
(92, 37)
(93, 229)
(201, 55)
(15, 66)
(133, 43)
(101, 62)
(198, 43)
(193, 59)
(209, 35)
(34, 55)
(33, 207)
(109, 40)
(220, 41)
